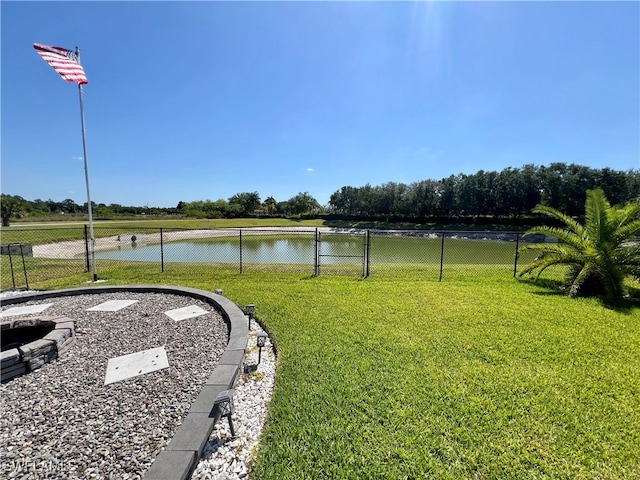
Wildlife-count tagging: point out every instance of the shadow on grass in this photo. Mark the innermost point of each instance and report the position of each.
(620, 305)
(556, 288)
(549, 287)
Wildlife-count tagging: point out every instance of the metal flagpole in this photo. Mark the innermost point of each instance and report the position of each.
(86, 179)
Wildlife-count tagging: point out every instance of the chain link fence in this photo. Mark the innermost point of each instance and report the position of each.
(33, 255)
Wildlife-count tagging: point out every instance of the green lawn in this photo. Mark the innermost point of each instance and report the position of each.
(402, 377)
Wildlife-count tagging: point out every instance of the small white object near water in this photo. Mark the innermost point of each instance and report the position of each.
(26, 310)
(185, 312)
(112, 306)
(135, 364)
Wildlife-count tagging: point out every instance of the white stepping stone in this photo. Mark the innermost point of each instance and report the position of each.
(111, 306)
(135, 364)
(185, 312)
(26, 310)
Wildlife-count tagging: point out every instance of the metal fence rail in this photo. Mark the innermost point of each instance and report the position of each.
(34, 255)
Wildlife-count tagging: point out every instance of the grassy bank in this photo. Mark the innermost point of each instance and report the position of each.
(404, 377)
(48, 232)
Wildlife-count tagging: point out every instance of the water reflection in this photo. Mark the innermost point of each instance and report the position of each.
(254, 250)
(334, 249)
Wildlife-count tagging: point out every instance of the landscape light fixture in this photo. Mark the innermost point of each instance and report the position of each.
(224, 401)
(261, 339)
(218, 291)
(250, 310)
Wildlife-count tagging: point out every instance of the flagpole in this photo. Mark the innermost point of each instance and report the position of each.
(86, 179)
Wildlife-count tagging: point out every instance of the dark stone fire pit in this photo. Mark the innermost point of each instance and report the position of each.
(29, 343)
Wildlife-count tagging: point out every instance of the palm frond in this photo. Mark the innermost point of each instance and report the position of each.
(573, 225)
(627, 232)
(599, 216)
(598, 253)
(549, 259)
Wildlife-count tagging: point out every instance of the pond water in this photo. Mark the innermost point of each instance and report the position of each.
(334, 249)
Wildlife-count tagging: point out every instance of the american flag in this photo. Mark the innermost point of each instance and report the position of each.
(63, 61)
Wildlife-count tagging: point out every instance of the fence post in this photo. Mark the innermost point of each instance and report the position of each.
(367, 252)
(24, 267)
(13, 278)
(240, 250)
(316, 260)
(86, 248)
(161, 253)
(364, 254)
(441, 256)
(515, 263)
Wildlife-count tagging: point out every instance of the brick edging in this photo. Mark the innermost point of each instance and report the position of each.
(180, 457)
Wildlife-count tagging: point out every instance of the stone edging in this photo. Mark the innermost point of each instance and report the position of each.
(183, 452)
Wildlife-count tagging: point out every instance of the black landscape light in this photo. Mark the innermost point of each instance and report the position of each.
(250, 310)
(261, 339)
(224, 401)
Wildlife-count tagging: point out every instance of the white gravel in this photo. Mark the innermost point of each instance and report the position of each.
(61, 421)
(229, 458)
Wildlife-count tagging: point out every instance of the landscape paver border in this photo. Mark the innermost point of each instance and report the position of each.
(180, 457)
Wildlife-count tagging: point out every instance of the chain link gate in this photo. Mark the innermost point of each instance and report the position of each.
(351, 251)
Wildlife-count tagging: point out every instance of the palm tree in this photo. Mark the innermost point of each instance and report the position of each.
(599, 254)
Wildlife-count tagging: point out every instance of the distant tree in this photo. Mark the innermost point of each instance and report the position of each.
(69, 206)
(344, 201)
(246, 202)
(599, 254)
(423, 198)
(102, 211)
(282, 208)
(217, 209)
(270, 205)
(513, 190)
(388, 199)
(85, 206)
(302, 203)
(38, 207)
(205, 209)
(116, 208)
(11, 206)
(446, 192)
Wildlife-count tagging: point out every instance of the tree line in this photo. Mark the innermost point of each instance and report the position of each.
(239, 205)
(14, 206)
(508, 194)
(249, 204)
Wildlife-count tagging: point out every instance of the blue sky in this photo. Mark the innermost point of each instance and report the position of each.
(202, 100)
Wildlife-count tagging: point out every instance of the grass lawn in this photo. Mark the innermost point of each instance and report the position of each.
(402, 377)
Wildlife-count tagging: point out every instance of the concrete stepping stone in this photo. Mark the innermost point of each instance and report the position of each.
(185, 312)
(111, 306)
(26, 310)
(135, 364)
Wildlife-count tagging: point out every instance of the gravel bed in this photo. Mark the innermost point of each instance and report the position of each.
(61, 421)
